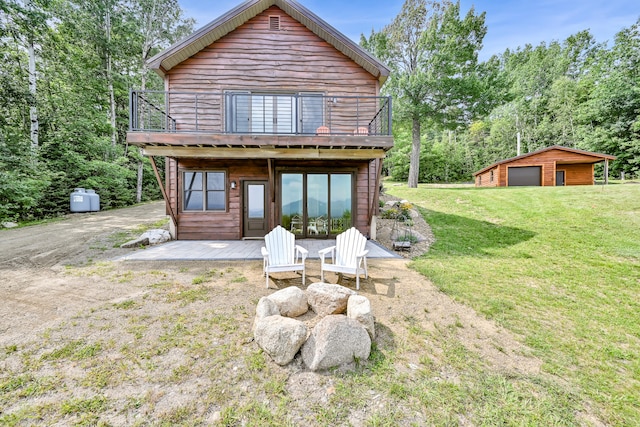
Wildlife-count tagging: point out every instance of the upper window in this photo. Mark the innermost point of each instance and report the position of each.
(300, 113)
(204, 191)
(491, 177)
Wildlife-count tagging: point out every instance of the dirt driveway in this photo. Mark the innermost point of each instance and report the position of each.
(35, 288)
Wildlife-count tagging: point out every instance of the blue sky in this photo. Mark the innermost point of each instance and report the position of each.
(511, 23)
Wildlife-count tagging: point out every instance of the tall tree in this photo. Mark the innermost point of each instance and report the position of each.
(611, 116)
(433, 53)
(26, 22)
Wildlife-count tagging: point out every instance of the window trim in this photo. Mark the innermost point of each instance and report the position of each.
(204, 190)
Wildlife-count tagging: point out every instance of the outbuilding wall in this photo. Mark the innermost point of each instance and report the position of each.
(577, 174)
(578, 167)
(488, 178)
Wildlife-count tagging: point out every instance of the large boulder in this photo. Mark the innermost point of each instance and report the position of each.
(336, 340)
(291, 301)
(359, 309)
(136, 243)
(265, 308)
(149, 237)
(280, 337)
(156, 236)
(326, 298)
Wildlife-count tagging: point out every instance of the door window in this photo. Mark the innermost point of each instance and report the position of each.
(340, 203)
(317, 204)
(291, 209)
(311, 112)
(255, 203)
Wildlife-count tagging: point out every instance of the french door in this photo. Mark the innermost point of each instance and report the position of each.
(316, 204)
(274, 113)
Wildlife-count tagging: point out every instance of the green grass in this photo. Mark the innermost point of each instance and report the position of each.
(560, 267)
(74, 350)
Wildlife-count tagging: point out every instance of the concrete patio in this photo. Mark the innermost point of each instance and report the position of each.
(228, 250)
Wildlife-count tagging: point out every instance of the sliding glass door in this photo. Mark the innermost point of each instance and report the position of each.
(316, 204)
(291, 202)
(265, 113)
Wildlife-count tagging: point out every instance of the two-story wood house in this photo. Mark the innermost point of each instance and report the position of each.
(269, 116)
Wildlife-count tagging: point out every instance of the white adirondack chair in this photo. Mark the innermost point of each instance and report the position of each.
(347, 256)
(281, 253)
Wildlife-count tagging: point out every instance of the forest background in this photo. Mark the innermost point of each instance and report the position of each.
(67, 67)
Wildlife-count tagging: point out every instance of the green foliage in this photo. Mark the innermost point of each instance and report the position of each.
(432, 51)
(398, 211)
(20, 195)
(576, 93)
(75, 146)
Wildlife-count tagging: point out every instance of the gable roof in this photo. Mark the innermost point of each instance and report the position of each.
(216, 29)
(553, 147)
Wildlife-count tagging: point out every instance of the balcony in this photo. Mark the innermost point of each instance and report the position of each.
(259, 114)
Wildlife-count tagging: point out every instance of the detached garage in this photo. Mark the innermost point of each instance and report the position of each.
(555, 165)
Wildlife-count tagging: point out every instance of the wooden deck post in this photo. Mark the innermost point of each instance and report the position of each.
(164, 191)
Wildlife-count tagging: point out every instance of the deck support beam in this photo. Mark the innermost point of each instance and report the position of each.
(264, 153)
(163, 190)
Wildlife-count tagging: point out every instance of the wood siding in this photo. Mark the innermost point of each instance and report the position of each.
(488, 178)
(577, 174)
(171, 175)
(255, 58)
(227, 225)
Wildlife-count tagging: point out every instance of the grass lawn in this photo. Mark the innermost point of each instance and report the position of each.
(558, 266)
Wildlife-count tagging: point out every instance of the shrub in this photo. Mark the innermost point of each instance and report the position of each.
(399, 211)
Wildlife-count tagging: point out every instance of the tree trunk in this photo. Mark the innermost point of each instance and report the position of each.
(414, 166)
(143, 86)
(33, 108)
(139, 182)
(112, 98)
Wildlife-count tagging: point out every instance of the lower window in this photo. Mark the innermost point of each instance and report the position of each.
(204, 191)
(316, 204)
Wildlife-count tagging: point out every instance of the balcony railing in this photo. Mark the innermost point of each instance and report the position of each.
(264, 113)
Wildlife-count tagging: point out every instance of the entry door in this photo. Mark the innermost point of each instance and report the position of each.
(255, 209)
(559, 178)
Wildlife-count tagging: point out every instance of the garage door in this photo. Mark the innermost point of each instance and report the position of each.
(526, 175)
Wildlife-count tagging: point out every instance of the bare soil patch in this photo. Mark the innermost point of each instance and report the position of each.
(178, 335)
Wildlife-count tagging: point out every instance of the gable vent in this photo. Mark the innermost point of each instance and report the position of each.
(274, 23)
